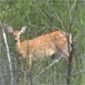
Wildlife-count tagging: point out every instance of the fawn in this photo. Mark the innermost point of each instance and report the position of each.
(43, 46)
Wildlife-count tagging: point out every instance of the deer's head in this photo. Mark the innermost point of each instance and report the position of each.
(16, 34)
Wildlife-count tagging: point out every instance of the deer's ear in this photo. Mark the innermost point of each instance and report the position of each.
(10, 29)
(23, 29)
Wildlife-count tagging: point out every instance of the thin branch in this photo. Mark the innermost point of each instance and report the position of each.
(55, 16)
(79, 72)
(55, 61)
(68, 4)
(72, 14)
(69, 65)
(8, 56)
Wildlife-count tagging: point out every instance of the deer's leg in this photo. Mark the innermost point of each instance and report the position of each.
(30, 69)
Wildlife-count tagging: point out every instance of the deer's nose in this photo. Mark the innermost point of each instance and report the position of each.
(15, 41)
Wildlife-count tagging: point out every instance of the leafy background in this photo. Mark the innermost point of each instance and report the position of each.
(42, 16)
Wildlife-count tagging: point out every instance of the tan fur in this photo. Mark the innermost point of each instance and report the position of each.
(43, 46)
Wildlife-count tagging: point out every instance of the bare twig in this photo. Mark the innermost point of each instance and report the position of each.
(55, 61)
(68, 4)
(55, 16)
(69, 65)
(72, 14)
(8, 56)
(79, 72)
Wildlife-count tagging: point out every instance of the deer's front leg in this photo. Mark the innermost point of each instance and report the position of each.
(30, 69)
(30, 63)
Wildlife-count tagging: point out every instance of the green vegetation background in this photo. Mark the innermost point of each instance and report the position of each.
(42, 16)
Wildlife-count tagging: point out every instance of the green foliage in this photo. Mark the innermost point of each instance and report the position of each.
(42, 16)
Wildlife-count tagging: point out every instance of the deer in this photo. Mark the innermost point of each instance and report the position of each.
(46, 45)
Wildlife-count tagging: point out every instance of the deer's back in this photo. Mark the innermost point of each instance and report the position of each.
(44, 45)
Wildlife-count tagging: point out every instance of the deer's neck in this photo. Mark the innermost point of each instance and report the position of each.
(19, 47)
(18, 43)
